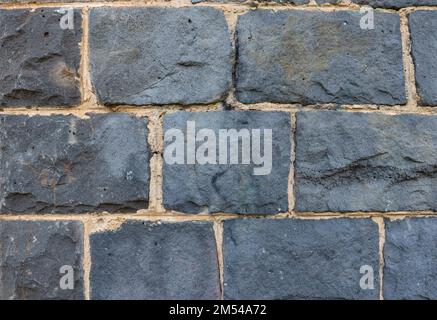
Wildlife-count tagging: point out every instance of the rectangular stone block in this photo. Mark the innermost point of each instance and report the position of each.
(395, 4)
(365, 162)
(39, 60)
(159, 55)
(423, 26)
(328, 1)
(65, 164)
(301, 259)
(41, 260)
(217, 183)
(260, 1)
(50, 1)
(155, 260)
(310, 57)
(410, 255)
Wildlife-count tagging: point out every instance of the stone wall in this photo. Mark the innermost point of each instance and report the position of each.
(90, 209)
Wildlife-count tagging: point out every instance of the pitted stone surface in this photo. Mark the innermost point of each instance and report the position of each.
(146, 260)
(365, 162)
(423, 26)
(32, 254)
(309, 57)
(66, 164)
(160, 55)
(39, 61)
(409, 259)
(299, 259)
(234, 188)
(396, 4)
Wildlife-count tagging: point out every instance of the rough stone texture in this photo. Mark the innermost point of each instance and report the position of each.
(395, 4)
(234, 188)
(145, 260)
(328, 1)
(39, 61)
(299, 259)
(31, 256)
(67, 164)
(365, 162)
(423, 26)
(410, 255)
(294, 56)
(40, 1)
(249, 1)
(159, 55)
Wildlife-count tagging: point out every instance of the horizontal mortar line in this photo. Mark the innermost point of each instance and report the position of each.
(388, 109)
(225, 6)
(145, 109)
(177, 4)
(209, 217)
(373, 214)
(104, 109)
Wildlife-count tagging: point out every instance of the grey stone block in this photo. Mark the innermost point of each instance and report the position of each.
(310, 57)
(328, 1)
(249, 1)
(145, 260)
(299, 259)
(32, 254)
(40, 1)
(365, 162)
(226, 187)
(410, 255)
(423, 27)
(64, 164)
(159, 55)
(39, 61)
(395, 4)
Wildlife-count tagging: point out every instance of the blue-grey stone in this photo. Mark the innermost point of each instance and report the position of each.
(150, 260)
(300, 259)
(310, 57)
(395, 4)
(65, 164)
(32, 257)
(349, 161)
(423, 26)
(39, 61)
(159, 55)
(233, 188)
(410, 255)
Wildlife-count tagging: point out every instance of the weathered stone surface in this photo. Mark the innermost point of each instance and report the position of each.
(423, 26)
(395, 4)
(159, 55)
(328, 1)
(31, 257)
(145, 260)
(48, 1)
(39, 61)
(234, 188)
(67, 164)
(299, 259)
(248, 1)
(410, 255)
(295, 56)
(365, 162)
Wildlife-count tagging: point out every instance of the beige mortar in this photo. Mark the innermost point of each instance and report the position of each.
(98, 222)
